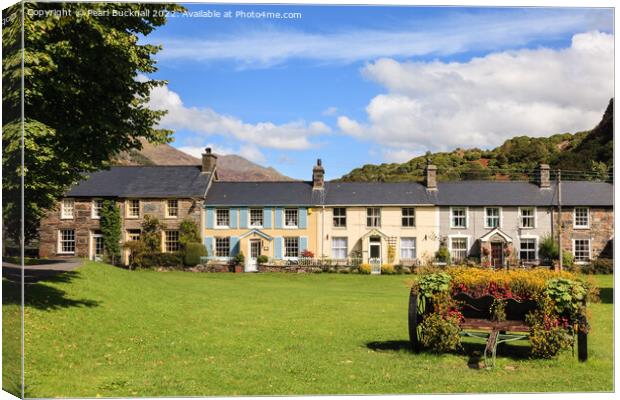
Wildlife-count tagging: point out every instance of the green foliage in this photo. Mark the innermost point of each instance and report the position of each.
(110, 223)
(548, 248)
(498, 309)
(158, 259)
(151, 233)
(239, 258)
(599, 266)
(440, 334)
(566, 295)
(188, 232)
(567, 259)
(387, 269)
(262, 259)
(443, 254)
(192, 253)
(137, 249)
(428, 285)
(83, 99)
(547, 334)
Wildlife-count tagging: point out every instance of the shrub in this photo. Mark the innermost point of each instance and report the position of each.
(344, 270)
(567, 259)
(387, 269)
(188, 232)
(443, 254)
(110, 223)
(549, 333)
(548, 249)
(157, 259)
(151, 233)
(599, 266)
(365, 269)
(193, 252)
(239, 258)
(440, 334)
(262, 259)
(136, 251)
(406, 270)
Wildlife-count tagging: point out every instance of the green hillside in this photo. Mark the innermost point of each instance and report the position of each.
(583, 155)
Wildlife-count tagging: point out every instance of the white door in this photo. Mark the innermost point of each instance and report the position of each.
(375, 257)
(254, 252)
(96, 251)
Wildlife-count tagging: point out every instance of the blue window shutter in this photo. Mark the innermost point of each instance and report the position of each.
(277, 248)
(210, 222)
(267, 211)
(303, 244)
(234, 246)
(303, 218)
(209, 246)
(279, 217)
(243, 217)
(233, 217)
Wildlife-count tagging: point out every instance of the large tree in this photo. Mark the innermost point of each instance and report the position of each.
(84, 97)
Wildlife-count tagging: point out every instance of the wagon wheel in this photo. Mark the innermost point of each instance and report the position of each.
(415, 319)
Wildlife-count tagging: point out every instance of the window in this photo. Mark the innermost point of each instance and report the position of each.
(172, 208)
(66, 208)
(527, 217)
(408, 216)
(66, 241)
(459, 217)
(290, 217)
(373, 217)
(491, 217)
(133, 235)
(256, 217)
(291, 247)
(581, 250)
(133, 208)
(458, 249)
(340, 217)
(96, 208)
(339, 248)
(407, 248)
(172, 241)
(222, 247)
(582, 217)
(527, 250)
(222, 217)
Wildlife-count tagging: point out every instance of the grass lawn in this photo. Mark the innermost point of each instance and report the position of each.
(104, 331)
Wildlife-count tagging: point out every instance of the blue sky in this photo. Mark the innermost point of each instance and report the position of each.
(357, 85)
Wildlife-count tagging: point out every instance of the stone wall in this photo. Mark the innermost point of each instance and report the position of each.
(600, 232)
(84, 225)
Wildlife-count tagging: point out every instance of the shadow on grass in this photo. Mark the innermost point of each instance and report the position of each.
(391, 345)
(42, 296)
(607, 295)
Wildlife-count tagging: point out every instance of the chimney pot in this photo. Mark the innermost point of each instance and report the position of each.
(209, 161)
(544, 180)
(318, 176)
(430, 176)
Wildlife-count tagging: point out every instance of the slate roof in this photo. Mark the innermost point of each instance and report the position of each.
(584, 193)
(494, 193)
(261, 194)
(145, 182)
(368, 193)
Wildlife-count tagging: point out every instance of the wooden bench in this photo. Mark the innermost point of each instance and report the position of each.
(477, 323)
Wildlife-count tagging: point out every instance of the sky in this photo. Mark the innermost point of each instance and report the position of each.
(354, 85)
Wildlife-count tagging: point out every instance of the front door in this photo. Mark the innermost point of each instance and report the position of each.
(497, 255)
(96, 250)
(375, 256)
(255, 247)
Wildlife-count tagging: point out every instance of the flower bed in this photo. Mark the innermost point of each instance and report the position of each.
(551, 305)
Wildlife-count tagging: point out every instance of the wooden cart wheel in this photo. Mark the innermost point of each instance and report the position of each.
(415, 331)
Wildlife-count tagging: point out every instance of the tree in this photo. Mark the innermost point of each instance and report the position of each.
(151, 233)
(85, 96)
(111, 230)
(188, 233)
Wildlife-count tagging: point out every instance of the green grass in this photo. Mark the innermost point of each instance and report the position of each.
(103, 331)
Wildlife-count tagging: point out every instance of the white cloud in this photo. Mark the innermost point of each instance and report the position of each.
(252, 153)
(399, 155)
(482, 102)
(249, 152)
(455, 32)
(293, 135)
(329, 111)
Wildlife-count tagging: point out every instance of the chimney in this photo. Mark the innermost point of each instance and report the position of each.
(543, 176)
(430, 176)
(318, 173)
(209, 161)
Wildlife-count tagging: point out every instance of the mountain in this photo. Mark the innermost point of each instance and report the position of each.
(583, 155)
(229, 167)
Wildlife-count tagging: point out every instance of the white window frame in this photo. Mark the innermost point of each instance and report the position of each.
(177, 207)
(217, 222)
(575, 226)
(589, 251)
(529, 237)
(63, 208)
(177, 240)
(131, 232)
(378, 217)
(215, 247)
(93, 208)
(60, 241)
(340, 217)
(296, 211)
(535, 217)
(499, 217)
(452, 217)
(284, 248)
(128, 207)
(467, 241)
(415, 247)
(402, 217)
(340, 248)
(262, 218)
